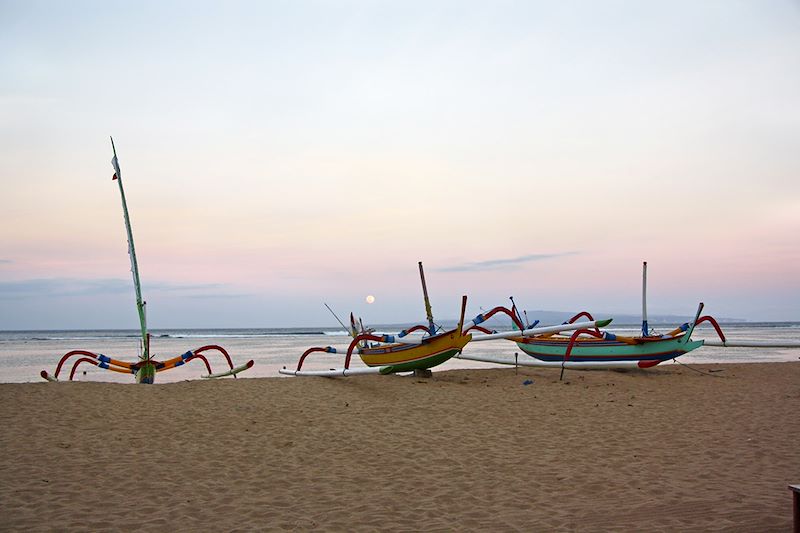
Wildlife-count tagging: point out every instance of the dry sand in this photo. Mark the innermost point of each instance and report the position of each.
(664, 449)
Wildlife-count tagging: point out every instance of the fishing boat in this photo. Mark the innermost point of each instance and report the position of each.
(387, 354)
(594, 348)
(605, 348)
(146, 367)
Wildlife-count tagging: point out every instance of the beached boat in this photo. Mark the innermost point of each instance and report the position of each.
(599, 347)
(606, 347)
(595, 348)
(387, 354)
(432, 350)
(146, 367)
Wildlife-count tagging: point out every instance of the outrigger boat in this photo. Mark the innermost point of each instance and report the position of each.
(390, 354)
(146, 367)
(387, 354)
(587, 348)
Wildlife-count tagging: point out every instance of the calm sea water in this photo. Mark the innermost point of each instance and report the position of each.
(23, 354)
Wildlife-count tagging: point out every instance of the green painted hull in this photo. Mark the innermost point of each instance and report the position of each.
(647, 351)
(146, 374)
(428, 362)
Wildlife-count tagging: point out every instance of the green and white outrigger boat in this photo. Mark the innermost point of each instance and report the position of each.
(586, 348)
(146, 367)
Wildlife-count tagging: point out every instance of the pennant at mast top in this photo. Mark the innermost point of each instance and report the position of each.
(132, 253)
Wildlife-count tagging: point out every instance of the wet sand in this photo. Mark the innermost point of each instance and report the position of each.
(664, 449)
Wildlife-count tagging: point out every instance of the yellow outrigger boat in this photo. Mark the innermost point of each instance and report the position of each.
(387, 354)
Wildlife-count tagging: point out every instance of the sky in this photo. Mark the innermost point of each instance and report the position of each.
(278, 155)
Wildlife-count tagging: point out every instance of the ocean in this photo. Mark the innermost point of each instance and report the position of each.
(24, 354)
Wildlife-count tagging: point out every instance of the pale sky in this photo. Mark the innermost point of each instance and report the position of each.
(278, 155)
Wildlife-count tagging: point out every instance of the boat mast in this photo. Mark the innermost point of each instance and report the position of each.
(645, 328)
(428, 311)
(145, 356)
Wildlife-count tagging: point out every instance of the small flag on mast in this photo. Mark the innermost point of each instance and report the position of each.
(115, 164)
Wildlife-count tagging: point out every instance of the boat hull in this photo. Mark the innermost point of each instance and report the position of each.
(646, 352)
(146, 373)
(407, 357)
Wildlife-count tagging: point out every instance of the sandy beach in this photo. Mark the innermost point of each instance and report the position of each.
(667, 449)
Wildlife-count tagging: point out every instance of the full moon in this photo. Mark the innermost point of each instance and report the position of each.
(370, 299)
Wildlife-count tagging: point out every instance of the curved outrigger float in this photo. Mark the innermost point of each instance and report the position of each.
(388, 354)
(587, 348)
(146, 367)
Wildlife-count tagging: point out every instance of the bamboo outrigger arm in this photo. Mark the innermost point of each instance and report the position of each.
(483, 317)
(543, 329)
(550, 364)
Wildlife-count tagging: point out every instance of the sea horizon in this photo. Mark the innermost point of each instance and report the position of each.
(503, 325)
